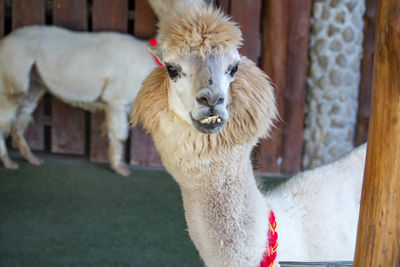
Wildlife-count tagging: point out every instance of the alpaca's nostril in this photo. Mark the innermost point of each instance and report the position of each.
(220, 100)
(202, 100)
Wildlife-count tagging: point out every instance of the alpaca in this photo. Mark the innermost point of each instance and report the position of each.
(206, 109)
(94, 71)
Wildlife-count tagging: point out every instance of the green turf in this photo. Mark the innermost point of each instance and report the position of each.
(82, 214)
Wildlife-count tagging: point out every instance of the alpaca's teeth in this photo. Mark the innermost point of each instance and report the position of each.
(204, 120)
(211, 119)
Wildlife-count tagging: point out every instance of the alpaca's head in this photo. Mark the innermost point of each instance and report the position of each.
(200, 51)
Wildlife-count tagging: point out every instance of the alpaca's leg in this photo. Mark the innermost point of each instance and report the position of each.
(117, 132)
(7, 113)
(21, 122)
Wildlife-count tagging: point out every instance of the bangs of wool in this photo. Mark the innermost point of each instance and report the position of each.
(199, 30)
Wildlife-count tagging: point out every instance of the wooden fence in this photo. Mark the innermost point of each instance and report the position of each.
(276, 35)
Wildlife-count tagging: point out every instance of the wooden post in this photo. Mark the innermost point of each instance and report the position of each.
(142, 150)
(67, 122)
(273, 62)
(29, 12)
(364, 97)
(106, 16)
(378, 239)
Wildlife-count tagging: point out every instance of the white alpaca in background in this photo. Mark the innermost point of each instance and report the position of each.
(94, 71)
(206, 110)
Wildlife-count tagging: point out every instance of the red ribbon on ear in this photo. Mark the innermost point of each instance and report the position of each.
(153, 42)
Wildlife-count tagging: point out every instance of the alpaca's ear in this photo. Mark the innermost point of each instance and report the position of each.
(156, 50)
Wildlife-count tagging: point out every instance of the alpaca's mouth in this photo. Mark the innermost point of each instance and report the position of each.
(209, 125)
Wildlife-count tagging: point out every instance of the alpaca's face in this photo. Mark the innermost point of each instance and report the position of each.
(199, 91)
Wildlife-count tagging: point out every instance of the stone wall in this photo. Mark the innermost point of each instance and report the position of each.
(333, 82)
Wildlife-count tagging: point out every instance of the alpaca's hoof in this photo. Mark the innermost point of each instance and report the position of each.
(34, 160)
(9, 164)
(122, 169)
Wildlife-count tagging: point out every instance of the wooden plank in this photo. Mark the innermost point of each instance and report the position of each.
(295, 92)
(225, 6)
(247, 14)
(142, 150)
(111, 16)
(1, 18)
(29, 12)
(71, 14)
(68, 123)
(145, 20)
(378, 237)
(364, 97)
(273, 62)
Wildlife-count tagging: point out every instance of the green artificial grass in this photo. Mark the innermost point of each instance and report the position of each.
(67, 213)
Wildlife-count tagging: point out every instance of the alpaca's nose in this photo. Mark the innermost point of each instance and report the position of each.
(209, 98)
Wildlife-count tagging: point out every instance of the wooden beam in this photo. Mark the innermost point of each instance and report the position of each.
(364, 97)
(247, 14)
(378, 238)
(29, 12)
(295, 92)
(273, 62)
(68, 123)
(106, 16)
(145, 20)
(142, 150)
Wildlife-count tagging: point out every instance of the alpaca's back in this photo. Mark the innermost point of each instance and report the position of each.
(76, 66)
(317, 210)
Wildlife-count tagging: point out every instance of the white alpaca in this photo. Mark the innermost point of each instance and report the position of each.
(206, 110)
(95, 71)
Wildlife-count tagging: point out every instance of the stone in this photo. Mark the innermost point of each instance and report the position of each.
(344, 95)
(322, 122)
(349, 78)
(335, 109)
(316, 28)
(323, 61)
(336, 45)
(331, 95)
(338, 123)
(355, 65)
(351, 5)
(319, 46)
(341, 17)
(332, 30)
(334, 3)
(334, 151)
(328, 139)
(348, 34)
(341, 60)
(325, 13)
(350, 49)
(322, 83)
(335, 77)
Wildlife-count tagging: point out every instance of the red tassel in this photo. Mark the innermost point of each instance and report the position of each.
(272, 244)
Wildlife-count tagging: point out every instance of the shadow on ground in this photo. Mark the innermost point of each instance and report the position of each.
(82, 214)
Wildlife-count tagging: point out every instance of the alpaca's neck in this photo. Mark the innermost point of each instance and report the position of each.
(227, 215)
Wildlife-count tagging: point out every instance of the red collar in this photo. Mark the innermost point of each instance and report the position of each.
(153, 42)
(272, 244)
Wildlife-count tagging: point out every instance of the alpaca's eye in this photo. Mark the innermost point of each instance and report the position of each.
(234, 70)
(172, 72)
